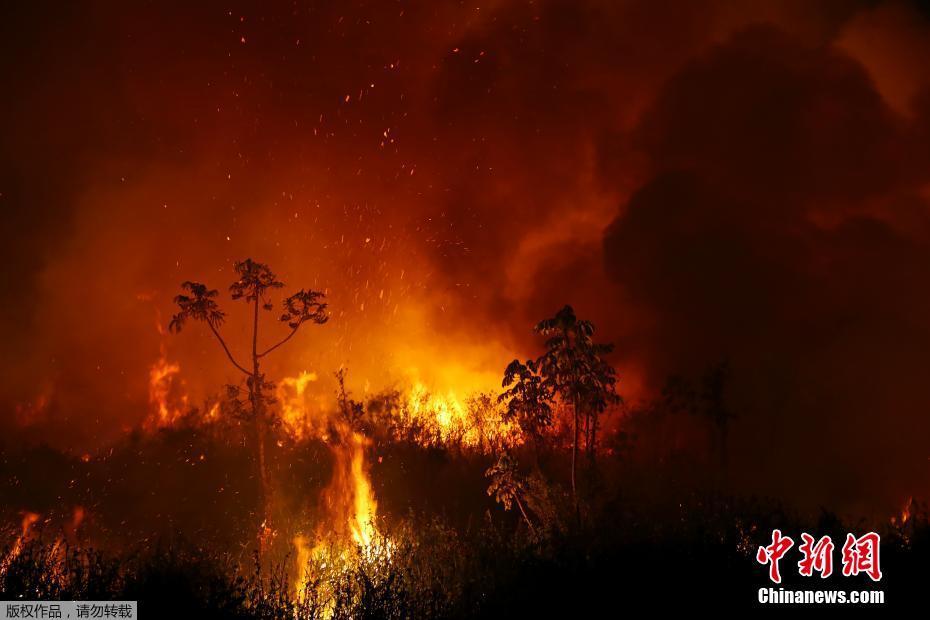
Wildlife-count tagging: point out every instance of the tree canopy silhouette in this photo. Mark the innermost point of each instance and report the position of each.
(572, 367)
(528, 398)
(254, 283)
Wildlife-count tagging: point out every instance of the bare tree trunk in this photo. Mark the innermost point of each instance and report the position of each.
(587, 433)
(258, 416)
(592, 433)
(593, 448)
(523, 512)
(575, 460)
(261, 432)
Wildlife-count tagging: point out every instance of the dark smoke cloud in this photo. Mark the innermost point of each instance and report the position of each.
(781, 231)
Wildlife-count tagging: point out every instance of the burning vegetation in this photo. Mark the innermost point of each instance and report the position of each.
(320, 542)
(571, 371)
(303, 527)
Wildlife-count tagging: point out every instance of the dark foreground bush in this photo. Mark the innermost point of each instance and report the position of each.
(426, 569)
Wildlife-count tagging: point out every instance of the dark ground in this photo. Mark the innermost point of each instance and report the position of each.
(172, 532)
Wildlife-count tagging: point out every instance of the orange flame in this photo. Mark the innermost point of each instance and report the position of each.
(907, 513)
(444, 419)
(29, 518)
(350, 495)
(302, 557)
(349, 527)
(166, 396)
(350, 507)
(293, 395)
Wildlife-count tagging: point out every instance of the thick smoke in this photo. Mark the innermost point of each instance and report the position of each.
(725, 180)
(784, 230)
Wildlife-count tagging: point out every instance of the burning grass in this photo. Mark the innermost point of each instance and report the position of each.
(423, 569)
(431, 568)
(374, 527)
(373, 521)
(280, 500)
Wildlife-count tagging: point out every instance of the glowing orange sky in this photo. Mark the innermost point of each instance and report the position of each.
(450, 173)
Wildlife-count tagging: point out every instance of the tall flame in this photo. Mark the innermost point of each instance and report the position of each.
(292, 393)
(349, 499)
(362, 523)
(29, 518)
(349, 515)
(166, 396)
(302, 557)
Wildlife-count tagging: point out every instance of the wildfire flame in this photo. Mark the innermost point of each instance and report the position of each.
(29, 519)
(168, 398)
(445, 419)
(293, 395)
(59, 548)
(350, 508)
(302, 557)
(350, 494)
(166, 394)
(907, 513)
(447, 412)
(429, 417)
(57, 552)
(348, 530)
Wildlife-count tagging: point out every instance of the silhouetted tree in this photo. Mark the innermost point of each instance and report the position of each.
(573, 368)
(599, 392)
(708, 401)
(506, 485)
(528, 398)
(255, 281)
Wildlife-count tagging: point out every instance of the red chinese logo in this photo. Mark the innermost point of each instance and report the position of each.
(859, 555)
(773, 553)
(817, 556)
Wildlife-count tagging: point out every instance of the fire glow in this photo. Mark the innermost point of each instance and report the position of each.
(375, 239)
(347, 529)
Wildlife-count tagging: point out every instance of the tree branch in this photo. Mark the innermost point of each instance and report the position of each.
(289, 336)
(225, 348)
